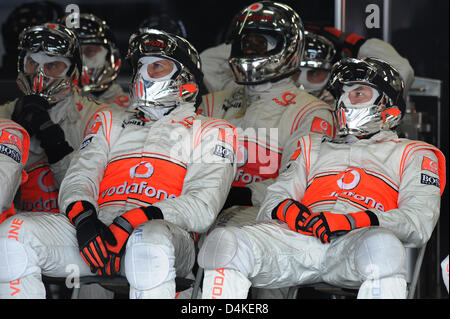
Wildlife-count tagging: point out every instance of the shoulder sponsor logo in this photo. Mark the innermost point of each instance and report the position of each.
(430, 165)
(5, 150)
(9, 138)
(224, 152)
(429, 180)
(86, 142)
(321, 126)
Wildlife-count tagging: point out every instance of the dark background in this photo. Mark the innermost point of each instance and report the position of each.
(419, 32)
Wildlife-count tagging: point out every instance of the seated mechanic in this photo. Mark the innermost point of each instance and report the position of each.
(142, 182)
(51, 110)
(344, 208)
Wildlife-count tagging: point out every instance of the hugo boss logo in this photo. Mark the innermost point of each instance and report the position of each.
(429, 180)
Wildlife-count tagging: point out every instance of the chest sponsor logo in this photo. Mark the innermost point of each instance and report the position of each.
(256, 161)
(148, 181)
(355, 186)
(39, 193)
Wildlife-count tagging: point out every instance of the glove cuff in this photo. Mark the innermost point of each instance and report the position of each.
(291, 212)
(363, 219)
(153, 212)
(79, 211)
(129, 220)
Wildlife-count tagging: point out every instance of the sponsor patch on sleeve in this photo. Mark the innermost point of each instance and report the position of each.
(5, 150)
(224, 152)
(10, 138)
(429, 180)
(86, 142)
(95, 126)
(430, 165)
(321, 126)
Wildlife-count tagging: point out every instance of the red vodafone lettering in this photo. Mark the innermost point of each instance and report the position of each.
(218, 281)
(13, 234)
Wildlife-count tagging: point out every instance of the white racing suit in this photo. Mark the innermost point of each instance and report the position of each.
(399, 180)
(181, 163)
(113, 96)
(269, 122)
(14, 145)
(217, 72)
(40, 191)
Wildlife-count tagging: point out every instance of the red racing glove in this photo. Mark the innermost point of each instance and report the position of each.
(91, 234)
(327, 226)
(122, 227)
(294, 214)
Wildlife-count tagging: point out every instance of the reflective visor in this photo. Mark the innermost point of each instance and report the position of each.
(50, 42)
(357, 71)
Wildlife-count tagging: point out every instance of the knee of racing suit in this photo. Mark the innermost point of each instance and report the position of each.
(380, 254)
(227, 247)
(16, 258)
(149, 256)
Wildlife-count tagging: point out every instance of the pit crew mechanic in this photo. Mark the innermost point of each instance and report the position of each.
(53, 113)
(268, 109)
(153, 175)
(101, 62)
(345, 207)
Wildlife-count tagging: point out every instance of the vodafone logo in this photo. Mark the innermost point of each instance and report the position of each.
(349, 180)
(41, 183)
(324, 126)
(255, 7)
(141, 174)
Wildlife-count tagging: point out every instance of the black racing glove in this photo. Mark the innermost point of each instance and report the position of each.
(53, 141)
(92, 234)
(241, 196)
(31, 111)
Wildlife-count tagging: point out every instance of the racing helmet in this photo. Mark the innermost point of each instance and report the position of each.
(99, 52)
(316, 63)
(26, 15)
(369, 96)
(166, 23)
(49, 61)
(267, 42)
(166, 70)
